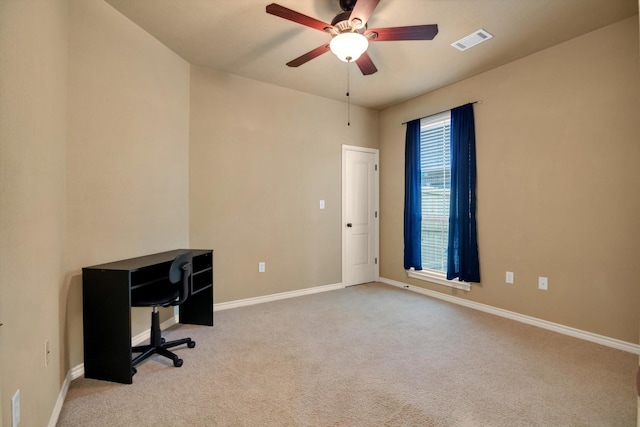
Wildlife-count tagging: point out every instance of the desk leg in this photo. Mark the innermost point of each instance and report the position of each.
(198, 308)
(107, 325)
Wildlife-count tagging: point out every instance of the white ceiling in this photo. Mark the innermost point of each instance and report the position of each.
(239, 37)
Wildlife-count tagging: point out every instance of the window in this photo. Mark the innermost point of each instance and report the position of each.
(435, 168)
(440, 174)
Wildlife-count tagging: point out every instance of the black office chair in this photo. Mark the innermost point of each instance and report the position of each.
(165, 295)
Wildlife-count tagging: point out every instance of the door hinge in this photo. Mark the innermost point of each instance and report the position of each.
(376, 168)
(376, 214)
(376, 260)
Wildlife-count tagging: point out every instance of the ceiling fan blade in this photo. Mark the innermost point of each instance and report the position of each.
(363, 10)
(292, 15)
(415, 32)
(366, 64)
(309, 56)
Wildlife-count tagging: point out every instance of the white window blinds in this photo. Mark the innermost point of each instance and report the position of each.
(436, 181)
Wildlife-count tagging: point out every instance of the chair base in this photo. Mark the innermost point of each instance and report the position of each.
(158, 345)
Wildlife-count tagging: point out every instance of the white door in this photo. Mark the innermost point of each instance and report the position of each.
(359, 215)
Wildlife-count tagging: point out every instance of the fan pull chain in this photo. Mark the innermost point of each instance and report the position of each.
(348, 95)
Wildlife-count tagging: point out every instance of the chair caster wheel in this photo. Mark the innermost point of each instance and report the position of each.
(177, 363)
(162, 341)
(191, 344)
(133, 371)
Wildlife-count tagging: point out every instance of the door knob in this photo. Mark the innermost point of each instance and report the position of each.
(349, 225)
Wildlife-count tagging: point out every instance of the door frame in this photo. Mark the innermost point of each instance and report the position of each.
(376, 195)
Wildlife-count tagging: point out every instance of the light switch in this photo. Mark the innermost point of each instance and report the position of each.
(321, 204)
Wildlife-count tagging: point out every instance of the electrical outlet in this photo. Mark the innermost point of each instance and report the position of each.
(261, 267)
(15, 409)
(321, 204)
(543, 283)
(47, 353)
(509, 277)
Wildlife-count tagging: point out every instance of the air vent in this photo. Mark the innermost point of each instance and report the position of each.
(471, 40)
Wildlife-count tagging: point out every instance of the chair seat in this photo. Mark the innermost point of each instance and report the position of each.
(148, 296)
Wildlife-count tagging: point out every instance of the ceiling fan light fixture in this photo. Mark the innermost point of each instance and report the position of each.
(349, 46)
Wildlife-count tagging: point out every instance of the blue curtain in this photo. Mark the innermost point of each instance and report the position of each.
(462, 255)
(412, 198)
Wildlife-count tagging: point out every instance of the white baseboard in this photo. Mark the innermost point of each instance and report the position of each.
(556, 327)
(55, 414)
(275, 297)
(76, 372)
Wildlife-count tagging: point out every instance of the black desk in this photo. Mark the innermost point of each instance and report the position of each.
(106, 307)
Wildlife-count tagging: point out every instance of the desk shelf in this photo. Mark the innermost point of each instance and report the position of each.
(202, 280)
(106, 306)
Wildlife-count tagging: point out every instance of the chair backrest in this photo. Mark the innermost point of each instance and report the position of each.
(180, 270)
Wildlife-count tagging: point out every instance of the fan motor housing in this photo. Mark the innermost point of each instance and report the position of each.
(342, 19)
(347, 5)
(342, 24)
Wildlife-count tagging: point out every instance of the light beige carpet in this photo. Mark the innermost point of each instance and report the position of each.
(369, 355)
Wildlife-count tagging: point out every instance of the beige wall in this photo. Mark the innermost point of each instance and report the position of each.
(262, 157)
(94, 126)
(558, 182)
(33, 116)
(128, 157)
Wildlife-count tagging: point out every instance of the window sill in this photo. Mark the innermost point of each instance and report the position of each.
(438, 278)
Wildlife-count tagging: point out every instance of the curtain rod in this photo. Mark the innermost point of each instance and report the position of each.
(424, 117)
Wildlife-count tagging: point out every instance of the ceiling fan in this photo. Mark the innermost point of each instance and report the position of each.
(350, 36)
